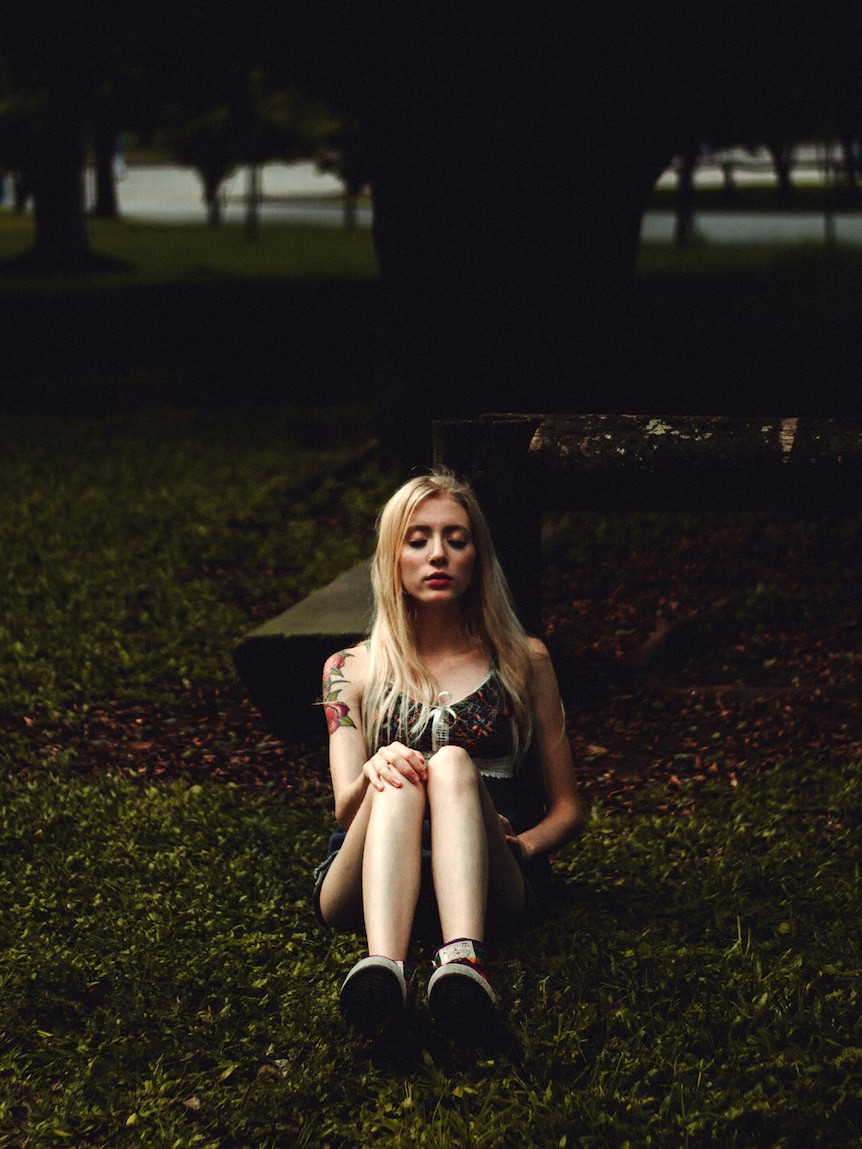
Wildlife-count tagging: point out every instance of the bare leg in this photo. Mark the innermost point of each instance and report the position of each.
(506, 891)
(468, 848)
(392, 868)
(376, 874)
(341, 892)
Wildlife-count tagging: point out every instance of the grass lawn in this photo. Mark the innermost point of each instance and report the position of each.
(162, 980)
(165, 984)
(196, 254)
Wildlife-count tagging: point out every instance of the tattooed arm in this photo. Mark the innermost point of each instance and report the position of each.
(343, 680)
(351, 767)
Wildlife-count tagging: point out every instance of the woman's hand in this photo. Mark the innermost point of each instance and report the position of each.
(392, 764)
(513, 839)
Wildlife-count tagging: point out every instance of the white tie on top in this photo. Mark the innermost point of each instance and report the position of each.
(442, 716)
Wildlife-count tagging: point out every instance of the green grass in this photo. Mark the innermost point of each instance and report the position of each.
(164, 983)
(162, 980)
(796, 279)
(134, 547)
(802, 281)
(182, 253)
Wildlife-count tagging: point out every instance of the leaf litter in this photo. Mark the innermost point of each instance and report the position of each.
(714, 652)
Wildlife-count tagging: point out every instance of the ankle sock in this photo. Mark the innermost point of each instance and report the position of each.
(465, 951)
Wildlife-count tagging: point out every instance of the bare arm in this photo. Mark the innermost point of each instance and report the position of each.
(350, 767)
(342, 692)
(564, 817)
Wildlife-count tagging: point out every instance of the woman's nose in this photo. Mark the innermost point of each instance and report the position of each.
(438, 551)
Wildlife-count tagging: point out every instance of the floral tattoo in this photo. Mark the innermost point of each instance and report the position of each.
(337, 713)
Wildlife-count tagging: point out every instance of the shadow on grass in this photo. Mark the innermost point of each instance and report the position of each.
(34, 263)
(695, 342)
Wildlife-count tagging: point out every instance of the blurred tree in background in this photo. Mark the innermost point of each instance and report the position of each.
(511, 152)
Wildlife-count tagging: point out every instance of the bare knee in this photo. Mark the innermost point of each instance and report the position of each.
(397, 802)
(452, 768)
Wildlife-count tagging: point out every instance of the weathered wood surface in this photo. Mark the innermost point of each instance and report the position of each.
(630, 462)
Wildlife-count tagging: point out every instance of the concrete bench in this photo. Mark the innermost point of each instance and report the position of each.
(281, 661)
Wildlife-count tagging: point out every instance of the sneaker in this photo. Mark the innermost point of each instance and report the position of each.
(376, 992)
(460, 996)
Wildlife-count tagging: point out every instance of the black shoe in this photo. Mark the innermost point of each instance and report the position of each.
(460, 996)
(376, 992)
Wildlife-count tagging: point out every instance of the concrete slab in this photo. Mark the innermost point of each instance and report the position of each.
(281, 661)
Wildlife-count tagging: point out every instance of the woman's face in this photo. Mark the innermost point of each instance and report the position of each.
(438, 554)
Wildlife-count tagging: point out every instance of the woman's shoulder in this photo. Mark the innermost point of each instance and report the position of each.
(543, 677)
(348, 665)
(539, 653)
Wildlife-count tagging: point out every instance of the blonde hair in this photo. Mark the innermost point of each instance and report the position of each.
(397, 679)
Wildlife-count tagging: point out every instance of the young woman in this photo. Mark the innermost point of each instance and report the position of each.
(432, 723)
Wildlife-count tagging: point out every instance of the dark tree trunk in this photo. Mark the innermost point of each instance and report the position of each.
(105, 138)
(22, 190)
(683, 232)
(61, 242)
(848, 150)
(507, 231)
(252, 203)
(781, 153)
(351, 208)
(212, 199)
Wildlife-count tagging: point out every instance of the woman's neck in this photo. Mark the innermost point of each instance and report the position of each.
(441, 632)
(454, 658)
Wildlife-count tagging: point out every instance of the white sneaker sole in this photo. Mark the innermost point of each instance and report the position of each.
(461, 1000)
(373, 994)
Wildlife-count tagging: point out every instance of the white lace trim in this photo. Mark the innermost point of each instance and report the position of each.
(497, 767)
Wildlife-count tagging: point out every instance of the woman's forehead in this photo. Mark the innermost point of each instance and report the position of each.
(439, 510)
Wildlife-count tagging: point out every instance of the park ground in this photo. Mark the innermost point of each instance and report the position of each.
(163, 979)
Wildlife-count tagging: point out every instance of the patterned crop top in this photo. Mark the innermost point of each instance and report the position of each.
(480, 723)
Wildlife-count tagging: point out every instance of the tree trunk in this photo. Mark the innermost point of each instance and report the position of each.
(61, 241)
(22, 190)
(848, 150)
(781, 153)
(506, 273)
(105, 154)
(351, 209)
(511, 159)
(252, 203)
(683, 232)
(212, 198)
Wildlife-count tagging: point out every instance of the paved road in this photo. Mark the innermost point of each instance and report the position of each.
(758, 227)
(164, 193)
(171, 193)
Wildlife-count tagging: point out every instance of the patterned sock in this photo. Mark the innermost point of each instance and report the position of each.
(464, 951)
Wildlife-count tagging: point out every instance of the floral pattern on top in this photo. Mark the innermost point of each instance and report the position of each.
(481, 723)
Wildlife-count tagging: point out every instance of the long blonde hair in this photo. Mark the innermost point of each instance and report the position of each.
(397, 679)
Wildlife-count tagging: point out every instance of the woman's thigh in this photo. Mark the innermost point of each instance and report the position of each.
(338, 899)
(339, 896)
(506, 886)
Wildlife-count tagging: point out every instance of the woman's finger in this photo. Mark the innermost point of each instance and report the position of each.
(404, 762)
(373, 774)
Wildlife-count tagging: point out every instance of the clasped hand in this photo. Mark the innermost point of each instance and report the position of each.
(392, 764)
